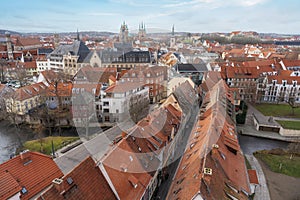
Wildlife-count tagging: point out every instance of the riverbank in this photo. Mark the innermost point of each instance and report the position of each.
(11, 138)
(281, 186)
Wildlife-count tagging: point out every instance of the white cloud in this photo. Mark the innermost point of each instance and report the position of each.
(102, 14)
(250, 2)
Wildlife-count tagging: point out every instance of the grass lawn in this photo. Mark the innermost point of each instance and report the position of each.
(277, 110)
(294, 125)
(288, 167)
(45, 144)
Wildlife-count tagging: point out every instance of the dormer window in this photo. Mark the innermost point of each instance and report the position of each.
(274, 82)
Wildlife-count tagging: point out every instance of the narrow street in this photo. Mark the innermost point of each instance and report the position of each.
(180, 147)
(261, 191)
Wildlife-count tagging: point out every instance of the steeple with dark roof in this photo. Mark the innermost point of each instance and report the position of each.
(173, 32)
(78, 38)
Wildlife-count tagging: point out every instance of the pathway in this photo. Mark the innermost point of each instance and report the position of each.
(261, 191)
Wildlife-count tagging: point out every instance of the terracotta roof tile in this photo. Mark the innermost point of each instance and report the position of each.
(61, 90)
(9, 186)
(32, 170)
(133, 161)
(85, 181)
(29, 91)
(208, 167)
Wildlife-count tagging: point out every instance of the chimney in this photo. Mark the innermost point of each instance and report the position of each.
(124, 134)
(58, 184)
(25, 156)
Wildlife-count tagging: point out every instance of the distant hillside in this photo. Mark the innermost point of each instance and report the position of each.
(2, 32)
(90, 33)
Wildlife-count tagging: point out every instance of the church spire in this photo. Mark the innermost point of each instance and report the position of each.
(78, 38)
(173, 32)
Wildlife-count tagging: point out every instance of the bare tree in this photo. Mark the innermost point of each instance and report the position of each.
(19, 73)
(11, 110)
(293, 148)
(292, 103)
(3, 70)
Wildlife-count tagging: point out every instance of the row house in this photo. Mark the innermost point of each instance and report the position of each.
(58, 95)
(213, 165)
(27, 175)
(283, 87)
(120, 98)
(25, 43)
(293, 65)
(168, 59)
(89, 83)
(153, 77)
(68, 58)
(118, 59)
(135, 165)
(243, 78)
(42, 63)
(25, 99)
(30, 67)
(85, 181)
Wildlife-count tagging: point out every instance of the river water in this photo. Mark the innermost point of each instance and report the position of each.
(251, 144)
(11, 138)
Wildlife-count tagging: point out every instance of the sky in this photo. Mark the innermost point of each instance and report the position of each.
(264, 16)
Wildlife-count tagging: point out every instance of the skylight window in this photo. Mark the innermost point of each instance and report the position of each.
(69, 180)
(24, 190)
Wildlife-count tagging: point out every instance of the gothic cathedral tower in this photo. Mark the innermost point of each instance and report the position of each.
(142, 30)
(123, 35)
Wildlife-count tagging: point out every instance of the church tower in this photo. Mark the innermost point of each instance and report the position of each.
(123, 35)
(56, 40)
(77, 36)
(172, 39)
(142, 30)
(9, 46)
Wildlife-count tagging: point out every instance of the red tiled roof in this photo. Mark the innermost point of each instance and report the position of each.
(96, 74)
(122, 87)
(49, 75)
(27, 41)
(227, 166)
(85, 182)
(29, 65)
(32, 170)
(29, 91)
(291, 63)
(283, 76)
(241, 72)
(128, 165)
(61, 90)
(122, 163)
(9, 186)
(253, 176)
